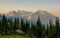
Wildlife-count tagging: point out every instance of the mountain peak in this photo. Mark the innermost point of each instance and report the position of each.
(41, 11)
(44, 15)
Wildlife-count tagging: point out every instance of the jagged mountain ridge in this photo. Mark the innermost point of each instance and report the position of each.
(32, 17)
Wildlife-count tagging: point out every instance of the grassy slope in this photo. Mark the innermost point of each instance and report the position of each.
(13, 36)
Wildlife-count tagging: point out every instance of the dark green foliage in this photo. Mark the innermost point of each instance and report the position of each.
(22, 24)
(4, 24)
(38, 29)
(16, 24)
(0, 26)
(57, 28)
(9, 27)
(27, 27)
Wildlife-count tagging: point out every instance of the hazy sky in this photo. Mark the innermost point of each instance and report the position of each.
(52, 6)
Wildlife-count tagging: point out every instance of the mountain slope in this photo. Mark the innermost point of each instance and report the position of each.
(32, 17)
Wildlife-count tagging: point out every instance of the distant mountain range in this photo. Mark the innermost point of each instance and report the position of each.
(45, 16)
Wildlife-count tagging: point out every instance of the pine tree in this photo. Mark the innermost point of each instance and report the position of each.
(0, 24)
(4, 24)
(39, 28)
(47, 30)
(27, 26)
(57, 27)
(15, 24)
(32, 29)
(0, 27)
(10, 26)
(51, 30)
(22, 24)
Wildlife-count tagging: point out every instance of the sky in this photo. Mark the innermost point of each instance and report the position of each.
(52, 6)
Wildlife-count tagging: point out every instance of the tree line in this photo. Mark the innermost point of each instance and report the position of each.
(8, 27)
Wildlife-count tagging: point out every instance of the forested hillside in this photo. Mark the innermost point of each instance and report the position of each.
(38, 30)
